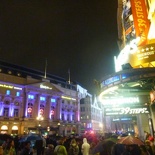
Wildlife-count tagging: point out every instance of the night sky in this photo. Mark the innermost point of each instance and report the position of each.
(78, 35)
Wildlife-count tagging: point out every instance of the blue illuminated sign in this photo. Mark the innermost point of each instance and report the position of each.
(112, 79)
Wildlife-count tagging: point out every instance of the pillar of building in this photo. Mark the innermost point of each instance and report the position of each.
(58, 109)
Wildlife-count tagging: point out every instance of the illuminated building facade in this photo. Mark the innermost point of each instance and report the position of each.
(125, 94)
(31, 103)
(91, 115)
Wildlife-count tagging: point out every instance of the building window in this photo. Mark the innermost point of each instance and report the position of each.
(6, 112)
(16, 112)
(52, 112)
(53, 100)
(8, 92)
(82, 109)
(30, 96)
(73, 117)
(29, 110)
(42, 98)
(7, 102)
(68, 118)
(16, 103)
(62, 117)
(17, 93)
(41, 111)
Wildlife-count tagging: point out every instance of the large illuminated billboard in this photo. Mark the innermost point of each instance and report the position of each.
(141, 22)
(143, 56)
(138, 49)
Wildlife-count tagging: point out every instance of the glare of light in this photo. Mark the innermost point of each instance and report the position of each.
(40, 118)
(106, 92)
(100, 125)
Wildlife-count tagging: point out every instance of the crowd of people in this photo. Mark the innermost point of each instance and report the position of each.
(87, 145)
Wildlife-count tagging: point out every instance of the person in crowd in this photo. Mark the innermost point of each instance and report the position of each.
(92, 145)
(66, 143)
(85, 147)
(1, 150)
(146, 135)
(16, 142)
(60, 149)
(39, 146)
(79, 142)
(26, 150)
(9, 148)
(74, 148)
(43, 145)
(148, 147)
(49, 150)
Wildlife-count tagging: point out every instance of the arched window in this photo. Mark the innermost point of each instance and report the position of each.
(29, 110)
(7, 102)
(52, 112)
(41, 111)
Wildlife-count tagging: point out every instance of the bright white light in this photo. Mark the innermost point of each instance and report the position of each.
(107, 91)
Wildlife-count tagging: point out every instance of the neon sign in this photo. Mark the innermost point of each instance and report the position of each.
(126, 111)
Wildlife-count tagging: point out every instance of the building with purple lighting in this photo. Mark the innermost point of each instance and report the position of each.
(31, 103)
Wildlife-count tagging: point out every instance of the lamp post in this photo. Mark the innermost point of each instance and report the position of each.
(58, 128)
(39, 118)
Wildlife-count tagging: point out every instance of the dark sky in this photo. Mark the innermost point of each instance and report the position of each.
(76, 34)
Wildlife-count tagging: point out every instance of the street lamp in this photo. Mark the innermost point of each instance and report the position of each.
(40, 118)
(58, 127)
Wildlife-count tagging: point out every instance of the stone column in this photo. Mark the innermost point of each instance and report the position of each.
(58, 109)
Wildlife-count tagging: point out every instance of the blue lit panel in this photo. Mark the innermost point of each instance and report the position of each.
(17, 93)
(8, 92)
(53, 100)
(124, 76)
(31, 96)
(42, 98)
(112, 79)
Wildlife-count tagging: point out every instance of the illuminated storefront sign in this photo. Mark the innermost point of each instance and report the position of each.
(146, 53)
(9, 86)
(120, 100)
(126, 111)
(68, 98)
(45, 87)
